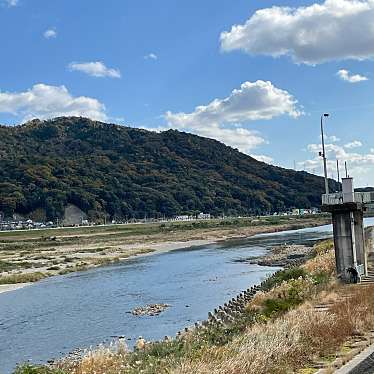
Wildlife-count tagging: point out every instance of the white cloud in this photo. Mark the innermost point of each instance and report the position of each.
(345, 75)
(95, 69)
(252, 101)
(50, 34)
(11, 3)
(332, 138)
(240, 138)
(264, 158)
(222, 118)
(151, 56)
(44, 101)
(354, 144)
(360, 165)
(332, 30)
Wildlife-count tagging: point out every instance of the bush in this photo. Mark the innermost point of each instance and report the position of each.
(282, 276)
(323, 247)
(321, 277)
(273, 307)
(22, 278)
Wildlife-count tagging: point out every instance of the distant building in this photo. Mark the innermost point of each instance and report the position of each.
(203, 216)
(183, 218)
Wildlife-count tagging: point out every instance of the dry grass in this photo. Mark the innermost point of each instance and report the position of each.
(108, 360)
(324, 261)
(276, 347)
(291, 342)
(22, 278)
(300, 289)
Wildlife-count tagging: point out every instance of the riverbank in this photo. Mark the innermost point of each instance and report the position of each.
(299, 320)
(12, 287)
(31, 256)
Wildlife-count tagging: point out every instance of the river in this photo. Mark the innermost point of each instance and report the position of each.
(53, 317)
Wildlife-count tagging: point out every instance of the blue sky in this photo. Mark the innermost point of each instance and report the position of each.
(151, 64)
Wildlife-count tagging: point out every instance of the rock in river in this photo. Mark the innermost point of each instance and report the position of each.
(150, 310)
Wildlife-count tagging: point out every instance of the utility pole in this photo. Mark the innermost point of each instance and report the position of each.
(337, 169)
(323, 154)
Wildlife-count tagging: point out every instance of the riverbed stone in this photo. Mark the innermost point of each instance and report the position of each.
(150, 310)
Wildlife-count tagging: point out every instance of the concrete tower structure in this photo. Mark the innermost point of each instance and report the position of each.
(347, 209)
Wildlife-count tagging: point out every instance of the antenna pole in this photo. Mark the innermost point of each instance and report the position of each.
(324, 155)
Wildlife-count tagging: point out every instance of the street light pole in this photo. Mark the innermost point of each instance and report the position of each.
(324, 155)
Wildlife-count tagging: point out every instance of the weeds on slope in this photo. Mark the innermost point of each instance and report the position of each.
(291, 342)
(22, 278)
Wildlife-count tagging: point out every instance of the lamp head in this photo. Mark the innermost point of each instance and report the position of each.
(326, 114)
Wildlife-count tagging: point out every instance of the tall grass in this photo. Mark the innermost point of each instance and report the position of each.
(108, 360)
(22, 278)
(290, 342)
(323, 261)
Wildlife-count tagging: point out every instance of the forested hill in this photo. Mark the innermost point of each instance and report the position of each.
(127, 172)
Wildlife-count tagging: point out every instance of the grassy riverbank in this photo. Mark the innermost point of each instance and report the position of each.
(283, 329)
(28, 256)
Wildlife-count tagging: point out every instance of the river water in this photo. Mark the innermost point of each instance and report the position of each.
(53, 317)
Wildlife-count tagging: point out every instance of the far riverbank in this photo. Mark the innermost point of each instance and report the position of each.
(31, 256)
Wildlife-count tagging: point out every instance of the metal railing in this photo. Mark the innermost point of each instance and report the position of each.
(341, 198)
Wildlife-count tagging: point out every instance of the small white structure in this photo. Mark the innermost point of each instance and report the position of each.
(203, 216)
(182, 218)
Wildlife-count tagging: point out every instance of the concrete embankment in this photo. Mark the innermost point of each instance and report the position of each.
(361, 364)
(226, 314)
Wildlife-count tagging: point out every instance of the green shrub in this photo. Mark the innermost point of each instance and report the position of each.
(284, 275)
(321, 278)
(276, 306)
(6, 266)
